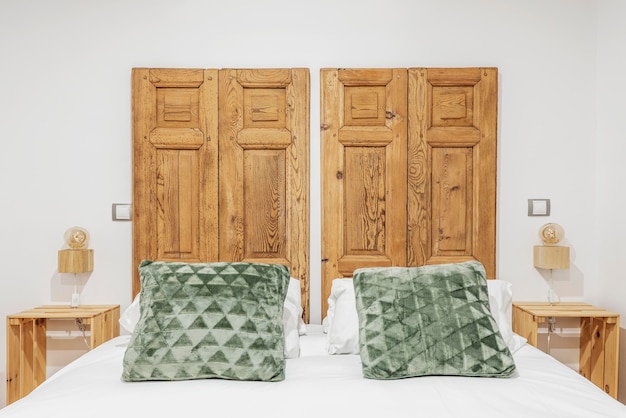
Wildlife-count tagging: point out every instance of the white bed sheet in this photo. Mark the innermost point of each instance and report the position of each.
(316, 385)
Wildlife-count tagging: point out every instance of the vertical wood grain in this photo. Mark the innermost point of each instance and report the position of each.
(611, 357)
(28, 344)
(332, 168)
(39, 351)
(264, 171)
(175, 165)
(439, 200)
(264, 204)
(231, 217)
(298, 182)
(14, 377)
(485, 172)
(598, 335)
(452, 175)
(419, 156)
(144, 120)
(363, 134)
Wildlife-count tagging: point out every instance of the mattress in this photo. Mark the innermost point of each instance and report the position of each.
(317, 384)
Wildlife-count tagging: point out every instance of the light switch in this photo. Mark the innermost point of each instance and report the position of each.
(538, 207)
(121, 211)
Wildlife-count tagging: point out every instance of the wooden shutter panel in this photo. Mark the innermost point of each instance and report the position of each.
(264, 168)
(174, 165)
(424, 194)
(363, 136)
(452, 166)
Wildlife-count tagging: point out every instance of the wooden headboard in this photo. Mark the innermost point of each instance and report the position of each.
(408, 168)
(221, 167)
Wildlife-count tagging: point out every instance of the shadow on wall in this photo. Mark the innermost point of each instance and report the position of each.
(62, 285)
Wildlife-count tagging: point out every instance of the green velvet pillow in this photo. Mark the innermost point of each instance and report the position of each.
(430, 320)
(209, 320)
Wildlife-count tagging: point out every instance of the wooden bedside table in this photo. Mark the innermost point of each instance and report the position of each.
(26, 340)
(599, 336)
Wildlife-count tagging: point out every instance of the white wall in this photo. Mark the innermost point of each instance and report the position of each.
(607, 287)
(65, 130)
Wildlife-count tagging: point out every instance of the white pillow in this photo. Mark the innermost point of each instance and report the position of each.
(292, 315)
(342, 324)
(501, 306)
(293, 324)
(130, 316)
(342, 320)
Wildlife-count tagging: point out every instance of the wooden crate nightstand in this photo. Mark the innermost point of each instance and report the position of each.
(599, 336)
(26, 340)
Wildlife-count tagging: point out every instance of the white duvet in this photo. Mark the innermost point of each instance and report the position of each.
(316, 385)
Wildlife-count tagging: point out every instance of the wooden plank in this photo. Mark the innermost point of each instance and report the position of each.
(332, 167)
(110, 323)
(598, 332)
(40, 345)
(419, 167)
(298, 182)
(451, 202)
(230, 194)
(144, 120)
(586, 343)
(175, 77)
(611, 358)
(525, 325)
(14, 378)
(485, 171)
(454, 76)
(63, 311)
(566, 310)
(97, 331)
(27, 357)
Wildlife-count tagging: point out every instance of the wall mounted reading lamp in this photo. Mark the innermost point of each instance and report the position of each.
(77, 258)
(551, 256)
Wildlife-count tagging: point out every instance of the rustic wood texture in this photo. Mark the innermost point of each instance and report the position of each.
(175, 169)
(408, 168)
(26, 341)
(363, 144)
(599, 336)
(221, 167)
(551, 256)
(452, 120)
(75, 260)
(264, 169)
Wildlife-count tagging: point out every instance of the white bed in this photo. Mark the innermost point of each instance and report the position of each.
(316, 384)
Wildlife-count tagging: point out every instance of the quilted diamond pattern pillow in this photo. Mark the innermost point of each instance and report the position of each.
(430, 320)
(208, 320)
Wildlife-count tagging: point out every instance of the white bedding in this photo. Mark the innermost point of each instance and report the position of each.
(316, 385)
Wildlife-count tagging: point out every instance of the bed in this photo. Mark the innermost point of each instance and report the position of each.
(316, 384)
(205, 208)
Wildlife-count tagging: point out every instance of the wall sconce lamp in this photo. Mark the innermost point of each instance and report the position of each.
(77, 258)
(551, 256)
